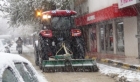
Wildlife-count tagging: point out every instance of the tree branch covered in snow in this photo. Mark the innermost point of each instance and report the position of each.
(22, 12)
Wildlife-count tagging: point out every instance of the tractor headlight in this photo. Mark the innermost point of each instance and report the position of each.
(46, 16)
(49, 16)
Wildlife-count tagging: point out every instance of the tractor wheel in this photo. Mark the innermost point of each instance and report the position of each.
(45, 48)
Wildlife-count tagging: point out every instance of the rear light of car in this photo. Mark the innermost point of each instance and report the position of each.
(46, 33)
(76, 32)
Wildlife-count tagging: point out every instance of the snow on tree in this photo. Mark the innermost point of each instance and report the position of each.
(22, 12)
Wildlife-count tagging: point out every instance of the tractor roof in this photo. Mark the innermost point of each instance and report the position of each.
(60, 12)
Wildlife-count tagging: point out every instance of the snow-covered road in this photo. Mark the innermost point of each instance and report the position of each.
(113, 73)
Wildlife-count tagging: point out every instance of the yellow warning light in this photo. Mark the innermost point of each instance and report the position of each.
(38, 13)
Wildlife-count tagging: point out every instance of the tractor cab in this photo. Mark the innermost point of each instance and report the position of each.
(59, 20)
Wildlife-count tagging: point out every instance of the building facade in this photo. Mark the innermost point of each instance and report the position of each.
(110, 26)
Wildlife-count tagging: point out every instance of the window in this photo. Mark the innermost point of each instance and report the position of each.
(31, 72)
(102, 37)
(61, 23)
(93, 39)
(109, 41)
(120, 37)
(106, 37)
(8, 76)
(26, 72)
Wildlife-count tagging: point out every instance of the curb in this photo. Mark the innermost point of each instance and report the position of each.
(115, 63)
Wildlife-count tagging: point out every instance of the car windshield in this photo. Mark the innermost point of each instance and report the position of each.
(25, 72)
(61, 22)
(8, 76)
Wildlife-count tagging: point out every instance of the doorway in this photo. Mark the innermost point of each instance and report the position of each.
(106, 38)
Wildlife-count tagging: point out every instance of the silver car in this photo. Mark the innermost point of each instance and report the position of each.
(14, 68)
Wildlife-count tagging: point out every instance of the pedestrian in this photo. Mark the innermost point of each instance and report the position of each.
(19, 42)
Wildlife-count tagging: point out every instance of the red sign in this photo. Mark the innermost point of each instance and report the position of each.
(105, 14)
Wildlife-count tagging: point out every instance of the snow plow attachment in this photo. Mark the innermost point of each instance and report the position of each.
(73, 65)
(65, 63)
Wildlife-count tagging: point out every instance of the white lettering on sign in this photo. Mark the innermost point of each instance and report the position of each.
(125, 3)
(53, 11)
(68, 11)
(89, 18)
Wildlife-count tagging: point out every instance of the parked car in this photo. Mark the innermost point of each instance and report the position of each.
(4, 47)
(15, 68)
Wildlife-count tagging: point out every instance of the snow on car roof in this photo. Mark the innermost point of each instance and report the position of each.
(8, 59)
(5, 58)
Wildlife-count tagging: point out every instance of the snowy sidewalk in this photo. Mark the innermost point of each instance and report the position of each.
(25, 48)
(116, 60)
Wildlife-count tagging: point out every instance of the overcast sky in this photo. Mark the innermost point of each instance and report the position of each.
(4, 26)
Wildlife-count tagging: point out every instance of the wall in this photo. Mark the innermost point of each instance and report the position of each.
(82, 8)
(131, 42)
(95, 5)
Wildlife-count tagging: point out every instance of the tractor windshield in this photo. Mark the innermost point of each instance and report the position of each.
(59, 23)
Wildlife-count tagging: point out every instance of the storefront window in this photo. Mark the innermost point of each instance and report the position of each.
(109, 38)
(102, 33)
(93, 40)
(106, 37)
(120, 37)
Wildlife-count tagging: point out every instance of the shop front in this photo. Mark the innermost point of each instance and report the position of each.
(109, 30)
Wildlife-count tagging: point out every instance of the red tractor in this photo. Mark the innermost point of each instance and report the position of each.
(58, 27)
(60, 36)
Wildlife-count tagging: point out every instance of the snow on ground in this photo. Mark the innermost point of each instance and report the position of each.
(25, 49)
(117, 73)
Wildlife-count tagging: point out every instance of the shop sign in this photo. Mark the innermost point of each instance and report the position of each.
(125, 3)
(105, 14)
(90, 18)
